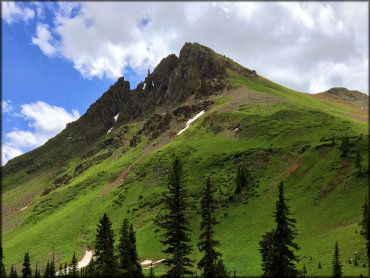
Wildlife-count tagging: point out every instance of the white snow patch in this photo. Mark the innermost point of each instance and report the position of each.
(153, 83)
(144, 86)
(23, 208)
(189, 122)
(85, 260)
(236, 129)
(146, 262)
(110, 130)
(116, 117)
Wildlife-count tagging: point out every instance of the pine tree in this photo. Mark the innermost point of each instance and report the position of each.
(175, 224)
(47, 272)
(207, 243)
(337, 266)
(136, 268)
(52, 266)
(26, 270)
(37, 272)
(124, 247)
(13, 273)
(319, 266)
(2, 267)
(278, 258)
(106, 263)
(73, 270)
(220, 269)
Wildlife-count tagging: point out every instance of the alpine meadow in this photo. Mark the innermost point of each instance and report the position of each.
(205, 168)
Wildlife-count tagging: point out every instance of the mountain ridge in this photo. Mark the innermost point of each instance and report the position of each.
(60, 190)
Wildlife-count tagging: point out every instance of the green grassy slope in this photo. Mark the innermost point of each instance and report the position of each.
(286, 138)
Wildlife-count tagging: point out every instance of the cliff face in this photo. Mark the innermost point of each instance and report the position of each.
(197, 71)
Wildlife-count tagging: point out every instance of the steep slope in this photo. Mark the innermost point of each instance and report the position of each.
(58, 192)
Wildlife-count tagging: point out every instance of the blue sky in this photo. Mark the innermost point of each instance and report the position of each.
(59, 57)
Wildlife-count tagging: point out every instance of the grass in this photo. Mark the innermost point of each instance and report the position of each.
(279, 141)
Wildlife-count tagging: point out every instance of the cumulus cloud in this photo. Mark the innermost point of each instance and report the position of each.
(303, 45)
(44, 121)
(44, 39)
(6, 106)
(12, 12)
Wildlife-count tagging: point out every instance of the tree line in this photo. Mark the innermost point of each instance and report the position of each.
(277, 247)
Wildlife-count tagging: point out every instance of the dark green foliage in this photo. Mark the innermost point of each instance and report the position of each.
(135, 270)
(106, 263)
(90, 269)
(13, 273)
(337, 266)
(344, 147)
(277, 246)
(73, 271)
(26, 270)
(37, 272)
(2, 267)
(124, 247)
(47, 270)
(243, 179)
(61, 269)
(175, 224)
(128, 258)
(207, 244)
(319, 266)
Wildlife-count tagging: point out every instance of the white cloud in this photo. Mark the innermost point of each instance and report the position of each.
(44, 39)
(278, 40)
(12, 12)
(6, 106)
(45, 121)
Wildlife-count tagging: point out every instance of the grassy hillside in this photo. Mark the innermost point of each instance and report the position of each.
(278, 133)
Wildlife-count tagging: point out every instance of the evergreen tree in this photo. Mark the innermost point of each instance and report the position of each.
(207, 243)
(52, 266)
(2, 267)
(106, 263)
(73, 270)
(26, 270)
(37, 272)
(136, 268)
(175, 224)
(319, 265)
(124, 247)
(47, 272)
(278, 258)
(337, 266)
(13, 273)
